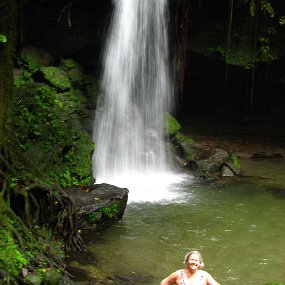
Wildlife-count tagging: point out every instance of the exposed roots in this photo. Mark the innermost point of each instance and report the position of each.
(35, 201)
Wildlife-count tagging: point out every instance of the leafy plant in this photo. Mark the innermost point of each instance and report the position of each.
(282, 20)
(3, 38)
(11, 259)
(235, 160)
(218, 50)
(111, 211)
(94, 216)
(265, 6)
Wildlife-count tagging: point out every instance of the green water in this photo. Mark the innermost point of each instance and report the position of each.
(239, 228)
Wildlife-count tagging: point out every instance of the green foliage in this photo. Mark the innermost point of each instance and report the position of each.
(267, 8)
(282, 20)
(3, 38)
(252, 8)
(172, 126)
(20, 248)
(12, 181)
(108, 212)
(11, 259)
(264, 53)
(49, 130)
(111, 211)
(235, 160)
(26, 77)
(218, 50)
(94, 216)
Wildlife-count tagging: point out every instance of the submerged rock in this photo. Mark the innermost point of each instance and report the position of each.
(202, 161)
(99, 206)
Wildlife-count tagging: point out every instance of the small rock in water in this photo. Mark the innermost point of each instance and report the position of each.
(227, 172)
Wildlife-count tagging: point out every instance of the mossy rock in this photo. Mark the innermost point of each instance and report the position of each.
(50, 131)
(68, 64)
(56, 78)
(188, 146)
(74, 71)
(36, 57)
(171, 125)
(76, 76)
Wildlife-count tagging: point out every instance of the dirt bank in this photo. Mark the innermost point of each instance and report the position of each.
(246, 139)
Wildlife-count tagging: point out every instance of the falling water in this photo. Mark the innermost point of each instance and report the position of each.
(136, 92)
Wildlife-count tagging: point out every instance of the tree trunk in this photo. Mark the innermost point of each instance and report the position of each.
(8, 31)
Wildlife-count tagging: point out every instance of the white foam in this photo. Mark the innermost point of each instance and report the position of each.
(153, 188)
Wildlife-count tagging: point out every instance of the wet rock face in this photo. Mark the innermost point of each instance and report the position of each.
(99, 206)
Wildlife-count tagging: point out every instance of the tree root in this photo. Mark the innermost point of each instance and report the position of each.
(35, 202)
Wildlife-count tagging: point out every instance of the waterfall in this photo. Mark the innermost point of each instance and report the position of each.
(136, 92)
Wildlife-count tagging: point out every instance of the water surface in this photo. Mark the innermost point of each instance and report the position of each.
(238, 227)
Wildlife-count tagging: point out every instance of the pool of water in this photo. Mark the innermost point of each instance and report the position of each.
(238, 227)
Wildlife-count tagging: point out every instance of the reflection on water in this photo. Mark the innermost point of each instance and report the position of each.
(268, 171)
(239, 228)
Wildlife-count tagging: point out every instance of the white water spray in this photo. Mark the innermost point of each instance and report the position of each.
(136, 93)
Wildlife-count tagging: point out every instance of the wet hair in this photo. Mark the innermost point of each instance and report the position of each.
(188, 254)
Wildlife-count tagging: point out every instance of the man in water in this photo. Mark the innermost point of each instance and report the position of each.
(192, 275)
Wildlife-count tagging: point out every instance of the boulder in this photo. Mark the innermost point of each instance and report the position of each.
(99, 206)
(201, 161)
(36, 57)
(56, 77)
(74, 71)
(214, 162)
(230, 170)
